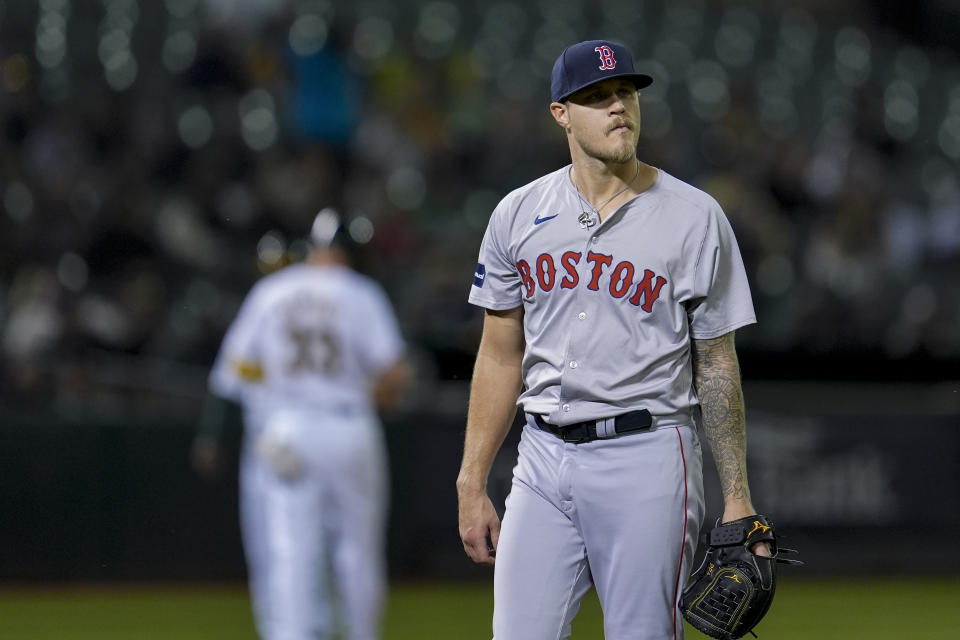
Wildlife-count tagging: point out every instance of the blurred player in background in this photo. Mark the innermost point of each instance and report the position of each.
(314, 349)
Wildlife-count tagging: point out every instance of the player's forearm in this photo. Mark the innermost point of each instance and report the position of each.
(390, 385)
(215, 413)
(493, 395)
(717, 382)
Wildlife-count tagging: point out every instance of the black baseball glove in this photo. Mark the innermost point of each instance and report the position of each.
(732, 590)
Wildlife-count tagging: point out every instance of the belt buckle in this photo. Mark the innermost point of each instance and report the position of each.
(584, 437)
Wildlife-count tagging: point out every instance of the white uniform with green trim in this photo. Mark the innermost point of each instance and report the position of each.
(301, 356)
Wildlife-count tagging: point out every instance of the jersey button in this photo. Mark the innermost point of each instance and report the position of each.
(594, 239)
(574, 364)
(566, 407)
(582, 315)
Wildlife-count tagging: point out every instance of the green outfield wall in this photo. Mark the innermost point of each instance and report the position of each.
(862, 478)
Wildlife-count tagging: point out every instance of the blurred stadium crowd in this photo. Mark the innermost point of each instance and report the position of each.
(157, 157)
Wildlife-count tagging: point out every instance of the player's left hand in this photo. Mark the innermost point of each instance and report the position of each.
(734, 578)
(741, 509)
(761, 549)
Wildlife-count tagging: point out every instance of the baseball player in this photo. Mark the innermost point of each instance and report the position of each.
(310, 350)
(612, 291)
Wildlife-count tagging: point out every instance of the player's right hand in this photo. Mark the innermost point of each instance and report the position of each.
(205, 457)
(479, 526)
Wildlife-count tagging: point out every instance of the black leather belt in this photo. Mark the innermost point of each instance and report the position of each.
(588, 430)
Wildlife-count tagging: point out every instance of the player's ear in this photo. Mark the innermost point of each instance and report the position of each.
(560, 114)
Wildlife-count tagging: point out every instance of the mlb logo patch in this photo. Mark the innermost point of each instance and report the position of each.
(479, 275)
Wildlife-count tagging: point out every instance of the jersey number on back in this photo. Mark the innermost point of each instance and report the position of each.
(316, 350)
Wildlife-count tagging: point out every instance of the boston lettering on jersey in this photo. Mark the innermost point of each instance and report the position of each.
(619, 281)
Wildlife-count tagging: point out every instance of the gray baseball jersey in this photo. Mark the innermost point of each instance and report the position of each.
(609, 308)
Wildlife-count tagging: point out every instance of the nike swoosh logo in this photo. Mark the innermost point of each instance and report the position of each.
(539, 220)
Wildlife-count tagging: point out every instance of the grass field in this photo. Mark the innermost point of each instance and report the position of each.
(846, 609)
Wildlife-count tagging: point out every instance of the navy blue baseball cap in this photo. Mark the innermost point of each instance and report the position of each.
(584, 63)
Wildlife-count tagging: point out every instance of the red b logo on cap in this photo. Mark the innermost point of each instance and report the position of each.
(606, 57)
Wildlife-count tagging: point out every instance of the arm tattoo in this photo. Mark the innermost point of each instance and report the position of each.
(716, 378)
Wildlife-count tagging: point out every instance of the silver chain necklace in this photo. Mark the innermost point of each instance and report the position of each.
(585, 219)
